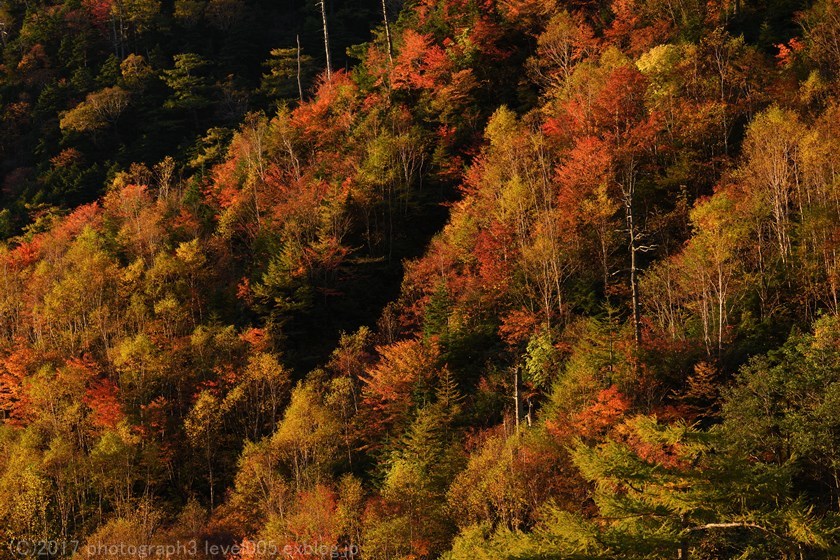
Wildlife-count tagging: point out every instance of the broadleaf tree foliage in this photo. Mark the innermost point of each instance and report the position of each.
(459, 279)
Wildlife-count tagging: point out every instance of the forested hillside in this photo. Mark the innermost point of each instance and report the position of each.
(457, 279)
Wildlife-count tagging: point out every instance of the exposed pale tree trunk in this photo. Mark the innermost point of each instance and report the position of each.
(387, 32)
(634, 249)
(323, 6)
(517, 395)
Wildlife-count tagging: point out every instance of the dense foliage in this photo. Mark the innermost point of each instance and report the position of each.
(508, 279)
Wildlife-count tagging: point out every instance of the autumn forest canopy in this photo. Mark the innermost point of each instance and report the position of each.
(420, 279)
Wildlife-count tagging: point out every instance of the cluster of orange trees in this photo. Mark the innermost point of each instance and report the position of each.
(530, 280)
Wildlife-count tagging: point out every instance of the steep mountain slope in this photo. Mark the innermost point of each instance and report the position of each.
(527, 281)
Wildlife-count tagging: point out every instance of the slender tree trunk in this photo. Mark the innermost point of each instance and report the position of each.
(326, 38)
(388, 32)
(628, 191)
(210, 474)
(300, 88)
(634, 273)
(517, 396)
(116, 37)
(721, 310)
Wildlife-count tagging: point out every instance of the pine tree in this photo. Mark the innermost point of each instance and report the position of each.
(666, 491)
